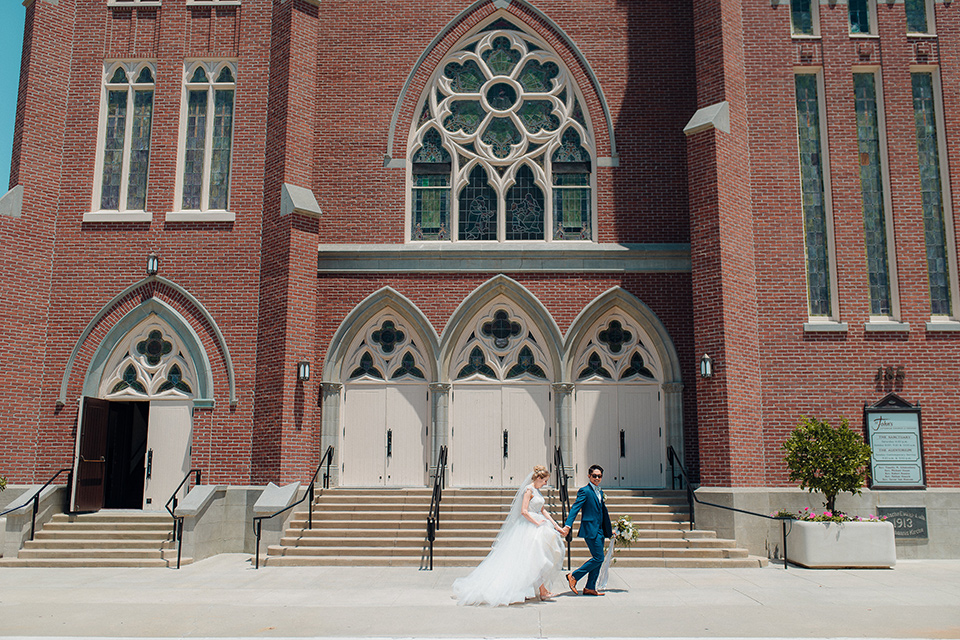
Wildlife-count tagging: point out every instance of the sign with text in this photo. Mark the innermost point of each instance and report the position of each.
(896, 459)
(908, 522)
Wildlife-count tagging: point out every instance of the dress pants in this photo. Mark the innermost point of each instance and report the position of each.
(591, 568)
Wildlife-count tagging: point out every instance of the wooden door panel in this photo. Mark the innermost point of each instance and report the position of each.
(526, 418)
(407, 413)
(597, 433)
(92, 450)
(640, 420)
(476, 437)
(362, 445)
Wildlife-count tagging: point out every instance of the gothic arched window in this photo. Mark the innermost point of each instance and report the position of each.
(502, 150)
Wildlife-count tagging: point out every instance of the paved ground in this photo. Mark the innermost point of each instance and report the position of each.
(225, 597)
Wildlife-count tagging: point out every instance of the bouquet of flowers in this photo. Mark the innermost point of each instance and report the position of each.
(624, 532)
(811, 515)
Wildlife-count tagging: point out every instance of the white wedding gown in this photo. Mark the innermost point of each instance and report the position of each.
(523, 557)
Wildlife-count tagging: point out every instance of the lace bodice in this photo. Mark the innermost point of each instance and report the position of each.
(536, 503)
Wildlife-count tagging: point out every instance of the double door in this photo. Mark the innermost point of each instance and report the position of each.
(384, 435)
(619, 427)
(498, 433)
(131, 455)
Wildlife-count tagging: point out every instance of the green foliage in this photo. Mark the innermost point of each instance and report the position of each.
(3, 483)
(827, 459)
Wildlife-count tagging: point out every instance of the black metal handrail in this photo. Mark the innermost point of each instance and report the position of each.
(433, 516)
(562, 478)
(692, 498)
(178, 520)
(35, 499)
(326, 459)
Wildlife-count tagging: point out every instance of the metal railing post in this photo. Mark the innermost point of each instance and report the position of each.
(33, 518)
(783, 529)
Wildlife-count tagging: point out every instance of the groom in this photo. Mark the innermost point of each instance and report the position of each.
(594, 527)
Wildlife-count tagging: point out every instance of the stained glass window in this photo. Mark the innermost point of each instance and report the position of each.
(928, 155)
(478, 208)
(366, 368)
(814, 199)
(859, 16)
(525, 214)
(594, 368)
(208, 142)
(872, 191)
(508, 114)
(917, 16)
(801, 14)
(526, 365)
(128, 117)
(477, 365)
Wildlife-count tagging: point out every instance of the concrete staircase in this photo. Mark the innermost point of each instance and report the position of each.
(103, 539)
(387, 527)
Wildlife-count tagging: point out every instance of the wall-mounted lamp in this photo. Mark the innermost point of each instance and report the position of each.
(153, 264)
(303, 371)
(706, 366)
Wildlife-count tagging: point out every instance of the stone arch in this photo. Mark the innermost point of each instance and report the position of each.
(178, 322)
(373, 305)
(480, 298)
(533, 19)
(669, 375)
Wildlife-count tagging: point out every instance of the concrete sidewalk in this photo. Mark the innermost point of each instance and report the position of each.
(225, 597)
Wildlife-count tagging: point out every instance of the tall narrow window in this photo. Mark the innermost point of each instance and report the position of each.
(208, 135)
(814, 195)
(431, 189)
(505, 109)
(931, 188)
(861, 16)
(125, 126)
(919, 17)
(872, 193)
(803, 17)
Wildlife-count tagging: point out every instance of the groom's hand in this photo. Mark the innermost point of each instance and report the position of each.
(565, 530)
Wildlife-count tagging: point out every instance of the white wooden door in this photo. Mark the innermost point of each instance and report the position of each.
(169, 431)
(641, 462)
(405, 429)
(597, 432)
(525, 417)
(362, 445)
(476, 437)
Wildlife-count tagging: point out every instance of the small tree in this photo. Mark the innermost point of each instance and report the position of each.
(827, 459)
(3, 483)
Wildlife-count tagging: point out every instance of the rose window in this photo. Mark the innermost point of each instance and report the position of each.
(502, 149)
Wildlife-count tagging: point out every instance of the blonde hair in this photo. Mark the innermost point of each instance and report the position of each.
(540, 471)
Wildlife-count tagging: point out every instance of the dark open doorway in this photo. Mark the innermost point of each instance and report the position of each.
(126, 455)
(113, 455)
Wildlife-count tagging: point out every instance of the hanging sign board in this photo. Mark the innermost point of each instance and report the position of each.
(896, 459)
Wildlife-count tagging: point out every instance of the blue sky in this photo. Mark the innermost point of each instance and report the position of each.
(11, 46)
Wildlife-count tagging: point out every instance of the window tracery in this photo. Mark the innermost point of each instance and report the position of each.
(151, 362)
(501, 150)
(387, 349)
(616, 352)
(503, 345)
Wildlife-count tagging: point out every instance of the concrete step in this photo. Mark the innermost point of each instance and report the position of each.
(750, 562)
(105, 534)
(106, 543)
(93, 562)
(96, 554)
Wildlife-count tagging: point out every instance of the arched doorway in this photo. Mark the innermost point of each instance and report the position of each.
(618, 405)
(386, 410)
(136, 421)
(501, 410)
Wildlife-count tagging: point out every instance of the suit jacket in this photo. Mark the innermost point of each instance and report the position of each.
(595, 517)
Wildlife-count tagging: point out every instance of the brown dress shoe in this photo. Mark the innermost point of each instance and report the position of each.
(573, 584)
(593, 592)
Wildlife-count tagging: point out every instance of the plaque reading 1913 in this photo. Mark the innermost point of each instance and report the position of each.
(908, 522)
(896, 461)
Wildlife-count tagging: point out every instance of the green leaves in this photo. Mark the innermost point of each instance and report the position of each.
(827, 459)
(3, 483)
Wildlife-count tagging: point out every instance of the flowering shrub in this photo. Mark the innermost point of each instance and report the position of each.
(810, 515)
(625, 533)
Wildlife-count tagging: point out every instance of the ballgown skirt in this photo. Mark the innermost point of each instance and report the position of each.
(523, 559)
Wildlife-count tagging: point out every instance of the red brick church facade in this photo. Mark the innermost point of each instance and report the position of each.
(544, 207)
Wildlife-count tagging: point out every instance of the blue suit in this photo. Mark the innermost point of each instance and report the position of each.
(594, 527)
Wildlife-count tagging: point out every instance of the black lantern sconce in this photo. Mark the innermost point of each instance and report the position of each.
(153, 264)
(706, 366)
(303, 371)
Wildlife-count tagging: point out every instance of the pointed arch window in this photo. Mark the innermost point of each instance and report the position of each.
(515, 148)
(125, 123)
(207, 135)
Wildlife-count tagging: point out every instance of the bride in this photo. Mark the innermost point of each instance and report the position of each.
(526, 556)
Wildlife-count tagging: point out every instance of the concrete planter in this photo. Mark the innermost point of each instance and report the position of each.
(835, 545)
